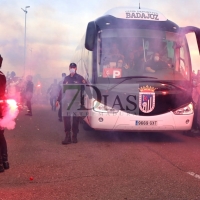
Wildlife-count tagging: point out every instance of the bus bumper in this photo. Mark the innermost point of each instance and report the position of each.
(122, 121)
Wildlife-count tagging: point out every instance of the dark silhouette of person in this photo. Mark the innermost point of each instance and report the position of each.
(4, 164)
(54, 92)
(29, 94)
(72, 79)
(155, 64)
(134, 64)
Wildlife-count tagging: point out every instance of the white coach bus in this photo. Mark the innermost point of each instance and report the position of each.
(120, 55)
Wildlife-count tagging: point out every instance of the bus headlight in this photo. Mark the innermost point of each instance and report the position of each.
(186, 110)
(99, 107)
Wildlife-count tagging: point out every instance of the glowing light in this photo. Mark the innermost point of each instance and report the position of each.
(38, 85)
(10, 113)
(164, 92)
(12, 103)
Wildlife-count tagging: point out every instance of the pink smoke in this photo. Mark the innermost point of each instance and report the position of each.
(10, 113)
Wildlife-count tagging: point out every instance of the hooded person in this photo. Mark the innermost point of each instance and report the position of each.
(4, 164)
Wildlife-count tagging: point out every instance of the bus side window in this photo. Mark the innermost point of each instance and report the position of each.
(181, 64)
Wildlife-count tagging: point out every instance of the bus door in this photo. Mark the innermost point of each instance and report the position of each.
(194, 46)
(193, 38)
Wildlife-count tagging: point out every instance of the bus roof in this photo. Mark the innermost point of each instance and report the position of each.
(134, 13)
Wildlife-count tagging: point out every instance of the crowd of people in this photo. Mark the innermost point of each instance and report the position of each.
(10, 86)
(29, 89)
(22, 91)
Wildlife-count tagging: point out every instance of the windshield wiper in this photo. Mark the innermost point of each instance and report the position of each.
(129, 77)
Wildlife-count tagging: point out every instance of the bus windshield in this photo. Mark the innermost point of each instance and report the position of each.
(141, 52)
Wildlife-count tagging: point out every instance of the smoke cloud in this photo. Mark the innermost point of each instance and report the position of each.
(54, 30)
(10, 113)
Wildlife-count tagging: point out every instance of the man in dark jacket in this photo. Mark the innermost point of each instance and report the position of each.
(71, 79)
(3, 145)
(156, 64)
(29, 94)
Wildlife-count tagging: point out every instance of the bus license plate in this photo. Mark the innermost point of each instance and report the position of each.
(145, 123)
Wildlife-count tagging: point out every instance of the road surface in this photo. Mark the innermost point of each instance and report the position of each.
(101, 166)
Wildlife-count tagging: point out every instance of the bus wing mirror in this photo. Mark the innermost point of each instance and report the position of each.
(190, 29)
(198, 39)
(90, 36)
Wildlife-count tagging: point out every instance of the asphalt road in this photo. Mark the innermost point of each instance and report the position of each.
(102, 165)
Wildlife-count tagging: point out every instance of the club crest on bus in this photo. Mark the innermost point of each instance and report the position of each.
(147, 98)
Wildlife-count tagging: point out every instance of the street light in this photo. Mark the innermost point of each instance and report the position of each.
(25, 11)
